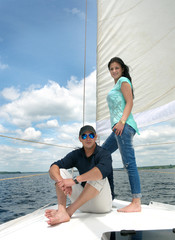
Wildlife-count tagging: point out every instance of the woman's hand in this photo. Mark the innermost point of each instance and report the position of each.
(118, 128)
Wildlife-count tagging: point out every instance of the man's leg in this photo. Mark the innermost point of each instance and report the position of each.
(102, 202)
(87, 194)
(60, 215)
(63, 214)
(94, 197)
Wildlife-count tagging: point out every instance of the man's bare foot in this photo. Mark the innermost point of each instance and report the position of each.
(50, 212)
(134, 206)
(58, 216)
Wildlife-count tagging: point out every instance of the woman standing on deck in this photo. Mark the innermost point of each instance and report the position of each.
(120, 102)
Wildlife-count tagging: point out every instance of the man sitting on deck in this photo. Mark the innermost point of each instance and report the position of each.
(92, 190)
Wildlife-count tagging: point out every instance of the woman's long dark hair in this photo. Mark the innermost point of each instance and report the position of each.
(124, 67)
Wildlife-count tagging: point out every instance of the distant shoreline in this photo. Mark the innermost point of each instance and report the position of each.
(157, 167)
(115, 169)
(18, 172)
(6, 172)
(151, 167)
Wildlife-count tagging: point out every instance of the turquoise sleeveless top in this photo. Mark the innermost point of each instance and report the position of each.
(116, 104)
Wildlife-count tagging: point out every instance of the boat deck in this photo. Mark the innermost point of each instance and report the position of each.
(89, 226)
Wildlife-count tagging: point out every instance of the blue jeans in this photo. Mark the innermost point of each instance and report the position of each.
(125, 145)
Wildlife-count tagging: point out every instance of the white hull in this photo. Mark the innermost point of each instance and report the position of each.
(89, 226)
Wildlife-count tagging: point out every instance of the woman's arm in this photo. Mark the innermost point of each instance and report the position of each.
(127, 93)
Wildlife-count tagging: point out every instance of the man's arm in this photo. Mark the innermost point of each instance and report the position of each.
(100, 171)
(63, 184)
(55, 173)
(92, 175)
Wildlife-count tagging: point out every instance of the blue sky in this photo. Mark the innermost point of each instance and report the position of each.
(44, 39)
(41, 75)
(41, 84)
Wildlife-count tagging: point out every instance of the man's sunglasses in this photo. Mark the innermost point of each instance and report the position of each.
(84, 136)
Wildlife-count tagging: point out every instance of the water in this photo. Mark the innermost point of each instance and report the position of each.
(157, 185)
(19, 197)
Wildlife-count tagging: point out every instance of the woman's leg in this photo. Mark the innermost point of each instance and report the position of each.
(125, 143)
(110, 144)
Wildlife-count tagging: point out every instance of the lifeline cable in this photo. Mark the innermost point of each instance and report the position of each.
(25, 140)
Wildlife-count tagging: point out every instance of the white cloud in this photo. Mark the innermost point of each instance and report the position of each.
(3, 66)
(36, 105)
(159, 133)
(10, 93)
(57, 112)
(3, 129)
(154, 146)
(27, 159)
(76, 12)
(49, 124)
(30, 134)
(25, 150)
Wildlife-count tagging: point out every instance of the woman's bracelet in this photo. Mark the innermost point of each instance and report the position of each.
(122, 121)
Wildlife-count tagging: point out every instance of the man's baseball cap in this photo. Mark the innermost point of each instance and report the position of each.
(87, 128)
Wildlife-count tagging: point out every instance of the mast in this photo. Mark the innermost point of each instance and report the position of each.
(84, 86)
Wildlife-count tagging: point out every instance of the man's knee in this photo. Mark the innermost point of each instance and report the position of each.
(99, 184)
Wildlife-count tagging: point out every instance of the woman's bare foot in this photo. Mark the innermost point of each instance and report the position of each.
(58, 216)
(134, 206)
(50, 212)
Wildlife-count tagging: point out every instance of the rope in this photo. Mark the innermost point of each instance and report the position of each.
(84, 87)
(155, 144)
(3, 179)
(63, 146)
(25, 140)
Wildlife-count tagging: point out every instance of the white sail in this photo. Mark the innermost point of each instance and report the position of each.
(142, 33)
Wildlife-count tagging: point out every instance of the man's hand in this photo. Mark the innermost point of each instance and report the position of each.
(66, 185)
(68, 191)
(69, 182)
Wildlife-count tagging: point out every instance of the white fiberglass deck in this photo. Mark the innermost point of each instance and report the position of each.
(89, 226)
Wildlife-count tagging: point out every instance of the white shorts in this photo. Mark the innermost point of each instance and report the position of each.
(102, 203)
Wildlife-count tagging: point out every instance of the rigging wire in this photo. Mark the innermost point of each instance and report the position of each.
(154, 144)
(73, 147)
(31, 141)
(55, 145)
(84, 86)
